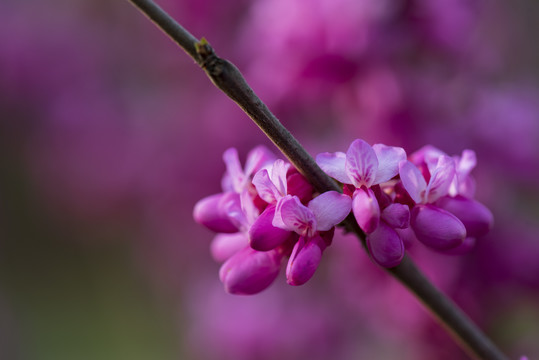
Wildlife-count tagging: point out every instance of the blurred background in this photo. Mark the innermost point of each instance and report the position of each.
(109, 134)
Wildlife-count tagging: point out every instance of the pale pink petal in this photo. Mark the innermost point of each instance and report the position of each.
(234, 170)
(330, 208)
(333, 164)
(428, 155)
(366, 209)
(292, 215)
(263, 236)
(265, 188)
(466, 163)
(441, 179)
(304, 260)
(258, 158)
(389, 158)
(278, 176)
(413, 181)
(361, 163)
(385, 246)
(223, 246)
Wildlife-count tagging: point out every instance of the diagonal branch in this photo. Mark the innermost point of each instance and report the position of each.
(229, 79)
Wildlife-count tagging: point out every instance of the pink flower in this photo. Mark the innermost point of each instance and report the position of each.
(311, 223)
(363, 166)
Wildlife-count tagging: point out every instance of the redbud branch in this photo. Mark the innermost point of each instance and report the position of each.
(229, 79)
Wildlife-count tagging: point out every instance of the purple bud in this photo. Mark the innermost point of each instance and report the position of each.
(211, 212)
(263, 236)
(437, 228)
(397, 216)
(475, 216)
(223, 246)
(304, 260)
(249, 271)
(385, 246)
(366, 209)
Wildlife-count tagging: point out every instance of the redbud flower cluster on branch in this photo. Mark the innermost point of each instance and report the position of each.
(268, 211)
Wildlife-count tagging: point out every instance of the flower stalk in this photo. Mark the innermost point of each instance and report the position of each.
(229, 79)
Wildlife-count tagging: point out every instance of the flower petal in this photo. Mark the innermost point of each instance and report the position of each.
(278, 176)
(304, 260)
(258, 158)
(366, 209)
(265, 188)
(263, 236)
(385, 246)
(475, 216)
(223, 246)
(211, 212)
(292, 215)
(330, 208)
(234, 170)
(389, 158)
(413, 181)
(437, 228)
(441, 179)
(361, 163)
(249, 271)
(333, 164)
(397, 215)
(299, 186)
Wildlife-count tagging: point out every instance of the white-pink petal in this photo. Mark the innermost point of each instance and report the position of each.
(329, 209)
(361, 163)
(389, 158)
(278, 176)
(440, 179)
(413, 181)
(234, 170)
(265, 188)
(333, 164)
(257, 159)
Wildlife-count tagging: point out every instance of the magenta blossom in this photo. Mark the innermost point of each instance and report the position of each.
(363, 166)
(311, 223)
(272, 186)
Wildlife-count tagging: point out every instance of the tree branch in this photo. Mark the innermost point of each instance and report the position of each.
(229, 79)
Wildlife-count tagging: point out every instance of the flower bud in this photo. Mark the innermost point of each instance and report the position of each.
(437, 228)
(385, 246)
(211, 212)
(249, 271)
(304, 260)
(475, 216)
(263, 236)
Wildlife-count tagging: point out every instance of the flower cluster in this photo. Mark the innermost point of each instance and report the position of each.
(268, 211)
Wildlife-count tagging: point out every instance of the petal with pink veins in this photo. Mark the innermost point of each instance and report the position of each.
(292, 215)
(361, 164)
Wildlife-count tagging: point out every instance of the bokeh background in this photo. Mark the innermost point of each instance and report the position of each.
(109, 134)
